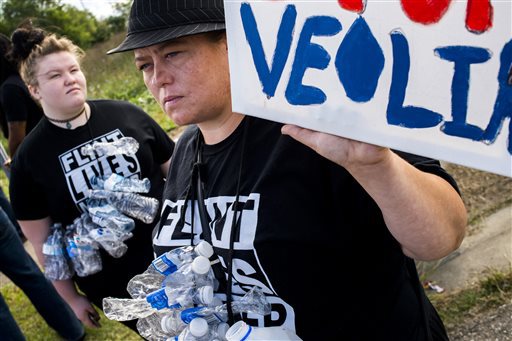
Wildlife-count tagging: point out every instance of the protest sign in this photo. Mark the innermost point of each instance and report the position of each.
(430, 77)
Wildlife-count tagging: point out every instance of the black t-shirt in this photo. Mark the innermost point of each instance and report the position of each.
(305, 221)
(50, 175)
(17, 104)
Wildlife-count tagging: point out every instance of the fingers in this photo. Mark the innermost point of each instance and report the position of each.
(95, 319)
(304, 136)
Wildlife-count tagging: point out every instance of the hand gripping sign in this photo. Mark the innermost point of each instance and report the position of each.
(430, 77)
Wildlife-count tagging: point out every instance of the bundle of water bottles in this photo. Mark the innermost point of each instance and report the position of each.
(112, 204)
(174, 300)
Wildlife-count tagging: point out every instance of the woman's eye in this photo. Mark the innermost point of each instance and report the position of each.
(172, 54)
(55, 75)
(143, 67)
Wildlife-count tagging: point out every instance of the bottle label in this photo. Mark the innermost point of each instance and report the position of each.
(164, 265)
(52, 250)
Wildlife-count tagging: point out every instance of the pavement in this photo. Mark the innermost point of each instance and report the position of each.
(487, 249)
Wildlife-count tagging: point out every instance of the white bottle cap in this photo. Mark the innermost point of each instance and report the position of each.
(237, 331)
(201, 265)
(198, 327)
(205, 294)
(204, 249)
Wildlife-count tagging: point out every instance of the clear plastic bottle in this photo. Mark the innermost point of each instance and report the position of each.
(118, 183)
(106, 215)
(166, 264)
(242, 331)
(161, 325)
(200, 330)
(131, 204)
(84, 257)
(254, 301)
(56, 265)
(126, 309)
(111, 240)
(125, 145)
(196, 273)
(180, 297)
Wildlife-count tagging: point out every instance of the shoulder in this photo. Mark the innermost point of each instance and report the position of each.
(14, 84)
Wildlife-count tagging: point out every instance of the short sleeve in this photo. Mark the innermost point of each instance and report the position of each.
(27, 199)
(14, 103)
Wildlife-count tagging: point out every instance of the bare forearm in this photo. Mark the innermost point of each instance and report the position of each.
(422, 211)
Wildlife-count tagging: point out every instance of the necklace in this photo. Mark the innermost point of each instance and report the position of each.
(68, 125)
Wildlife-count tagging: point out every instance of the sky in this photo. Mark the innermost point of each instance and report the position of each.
(99, 8)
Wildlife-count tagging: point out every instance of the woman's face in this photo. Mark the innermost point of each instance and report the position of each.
(189, 77)
(61, 85)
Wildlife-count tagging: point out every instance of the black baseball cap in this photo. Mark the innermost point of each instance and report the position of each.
(155, 21)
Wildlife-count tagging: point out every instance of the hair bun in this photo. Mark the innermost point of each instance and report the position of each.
(23, 42)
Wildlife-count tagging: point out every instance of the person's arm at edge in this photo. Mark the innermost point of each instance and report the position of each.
(423, 212)
(164, 167)
(36, 232)
(16, 135)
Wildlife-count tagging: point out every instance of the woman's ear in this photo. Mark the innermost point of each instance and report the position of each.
(34, 91)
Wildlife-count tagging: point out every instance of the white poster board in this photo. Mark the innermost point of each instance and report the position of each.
(425, 77)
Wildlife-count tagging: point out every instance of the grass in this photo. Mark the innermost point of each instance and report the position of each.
(35, 328)
(494, 290)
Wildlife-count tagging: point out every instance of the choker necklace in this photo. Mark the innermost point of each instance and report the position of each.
(68, 125)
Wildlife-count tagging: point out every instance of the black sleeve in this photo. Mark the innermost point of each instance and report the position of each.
(28, 200)
(14, 103)
(429, 166)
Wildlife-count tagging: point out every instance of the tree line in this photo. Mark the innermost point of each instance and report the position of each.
(81, 26)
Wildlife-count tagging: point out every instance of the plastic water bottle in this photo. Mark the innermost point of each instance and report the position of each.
(125, 145)
(166, 264)
(118, 183)
(254, 301)
(85, 259)
(161, 325)
(187, 275)
(126, 309)
(111, 240)
(131, 204)
(200, 330)
(180, 297)
(197, 273)
(106, 215)
(56, 266)
(242, 331)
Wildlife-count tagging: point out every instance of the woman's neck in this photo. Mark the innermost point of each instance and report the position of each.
(215, 132)
(73, 120)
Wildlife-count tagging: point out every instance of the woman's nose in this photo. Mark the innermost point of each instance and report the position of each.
(161, 75)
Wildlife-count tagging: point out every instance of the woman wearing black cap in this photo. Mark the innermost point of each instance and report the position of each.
(289, 207)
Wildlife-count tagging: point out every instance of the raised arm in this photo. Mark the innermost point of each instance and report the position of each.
(422, 211)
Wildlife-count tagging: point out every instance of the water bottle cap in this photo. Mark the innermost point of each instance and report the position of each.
(205, 294)
(204, 249)
(166, 323)
(239, 331)
(201, 265)
(222, 329)
(198, 327)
